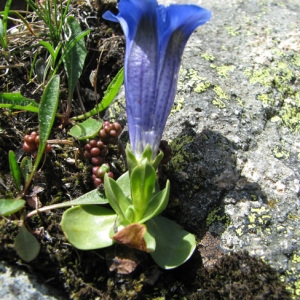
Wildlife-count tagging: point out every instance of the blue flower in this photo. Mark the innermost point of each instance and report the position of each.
(155, 38)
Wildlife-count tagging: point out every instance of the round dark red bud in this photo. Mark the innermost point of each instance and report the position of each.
(95, 170)
(117, 127)
(37, 140)
(113, 133)
(100, 144)
(87, 154)
(102, 134)
(48, 148)
(110, 174)
(95, 151)
(93, 143)
(27, 148)
(87, 147)
(97, 181)
(96, 160)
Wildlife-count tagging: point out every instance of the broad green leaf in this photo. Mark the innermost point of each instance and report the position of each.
(74, 54)
(142, 182)
(10, 206)
(14, 169)
(108, 97)
(116, 198)
(174, 246)
(26, 245)
(87, 129)
(17, 101)
(157, 204)
(88, 227)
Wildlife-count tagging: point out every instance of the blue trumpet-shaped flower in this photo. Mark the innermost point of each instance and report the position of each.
(155, 38)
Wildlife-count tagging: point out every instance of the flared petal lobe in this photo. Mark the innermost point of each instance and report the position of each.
(155, 39)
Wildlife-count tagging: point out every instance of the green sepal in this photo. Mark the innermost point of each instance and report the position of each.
(116, 198)
(157, 204)
(132, 162)
(142, 182)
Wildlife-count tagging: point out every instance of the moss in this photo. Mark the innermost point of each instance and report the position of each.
(217, 215)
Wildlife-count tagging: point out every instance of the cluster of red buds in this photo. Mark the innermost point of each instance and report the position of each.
(97, 149)
(31, 144)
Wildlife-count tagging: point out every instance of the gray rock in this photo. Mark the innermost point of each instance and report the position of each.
(235, 130)
(19, 285)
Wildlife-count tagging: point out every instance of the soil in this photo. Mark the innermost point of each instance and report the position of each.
(209, 274)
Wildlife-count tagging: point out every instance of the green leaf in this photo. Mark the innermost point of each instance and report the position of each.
(10, 206)
(174, 246)
(109, 96)
(142, 182)
(74, 53)
(116, 198)
(26, 167)
(48, 108)
(87, 129)
(92, 197)
(26, 245)
(124, 184)
(47, 111)
(17, 101)
(157, 204)
(88, 227)
(14, 169)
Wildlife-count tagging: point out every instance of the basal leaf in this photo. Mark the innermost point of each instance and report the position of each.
(17, 101)
(88, 227)
(26, 245)
(174, 246)
(10, 206)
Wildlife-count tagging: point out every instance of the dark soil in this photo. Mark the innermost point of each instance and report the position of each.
(209, 274)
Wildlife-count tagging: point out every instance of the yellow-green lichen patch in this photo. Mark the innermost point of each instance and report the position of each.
(208, 56)
(189, 79)
(221, 95)
(222, 70)
(180, 155)
(281, 78)
(177, 106)
(280, 153)
(233, 31)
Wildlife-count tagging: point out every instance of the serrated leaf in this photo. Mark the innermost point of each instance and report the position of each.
(88, 227)
(26, 245)
(86, 129)
(10, 206)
